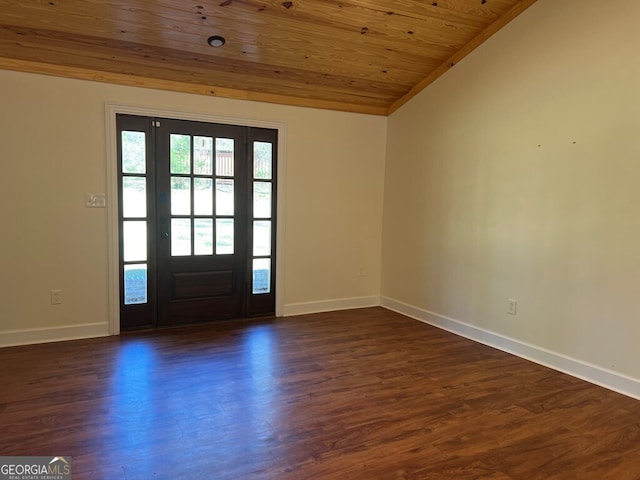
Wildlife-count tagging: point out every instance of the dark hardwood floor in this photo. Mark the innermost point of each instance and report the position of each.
(361, 394)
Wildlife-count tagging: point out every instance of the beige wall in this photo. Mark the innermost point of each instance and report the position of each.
(517, 175)
(52, 152)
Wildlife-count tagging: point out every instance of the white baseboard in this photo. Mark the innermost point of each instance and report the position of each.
(53, 334)
(330, 305)
(591, 373)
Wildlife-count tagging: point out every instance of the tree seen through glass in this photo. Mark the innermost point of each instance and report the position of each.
(262, 160)
(133, 152)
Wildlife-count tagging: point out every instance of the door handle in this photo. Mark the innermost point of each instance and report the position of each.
(164, 235)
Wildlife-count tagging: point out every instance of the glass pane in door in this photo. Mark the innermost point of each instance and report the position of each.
(224, 157)
(203, 196)
(203, 155)
(224, 196)
(261, 238)
(203, 236)
(261, 199)
(224, 236)
(180, 237)
(180, 159)
(134, 239)
(180, 195)
(262, 152)
(134, 152)
(135, 283)
(261, 275)
(134, 197)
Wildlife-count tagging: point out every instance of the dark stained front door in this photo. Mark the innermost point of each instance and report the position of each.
(197, 217)
(202, 221)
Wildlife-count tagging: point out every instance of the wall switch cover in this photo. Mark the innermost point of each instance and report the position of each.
(95, 200)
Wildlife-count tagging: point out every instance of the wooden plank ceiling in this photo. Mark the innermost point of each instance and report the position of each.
(367, 56)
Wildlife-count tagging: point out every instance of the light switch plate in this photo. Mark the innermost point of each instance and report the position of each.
(95, 200)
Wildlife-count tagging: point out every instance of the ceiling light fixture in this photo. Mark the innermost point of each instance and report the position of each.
(216, 41)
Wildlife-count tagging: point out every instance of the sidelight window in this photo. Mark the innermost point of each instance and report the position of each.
(134, 217)
(262, 216)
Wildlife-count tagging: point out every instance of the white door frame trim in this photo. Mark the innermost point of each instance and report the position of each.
(111, 110)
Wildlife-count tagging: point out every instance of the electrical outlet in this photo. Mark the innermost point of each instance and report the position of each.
(56, 297)
(512, 306)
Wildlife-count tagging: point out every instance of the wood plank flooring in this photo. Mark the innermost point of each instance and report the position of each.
(360, 394)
